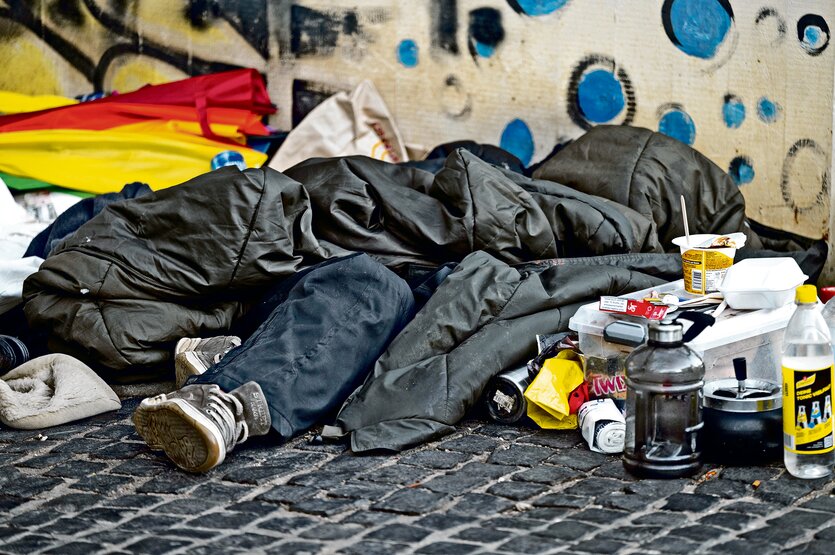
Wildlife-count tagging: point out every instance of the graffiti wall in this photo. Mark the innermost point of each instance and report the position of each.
(747, 82)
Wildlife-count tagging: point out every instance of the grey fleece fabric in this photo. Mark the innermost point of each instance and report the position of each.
(482, 318)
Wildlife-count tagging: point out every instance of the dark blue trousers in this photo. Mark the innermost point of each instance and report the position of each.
(321, 331)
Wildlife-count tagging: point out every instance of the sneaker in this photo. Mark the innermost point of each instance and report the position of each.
(193, 355)
(199, 424)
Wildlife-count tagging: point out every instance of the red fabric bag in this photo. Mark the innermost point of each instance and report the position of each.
(242, 89)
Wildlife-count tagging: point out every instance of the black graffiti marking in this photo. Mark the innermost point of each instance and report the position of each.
(515, 7)
(66, 12)
(189, 64)
(785, 185)
(485, 27)
(808, 20)
(122, 6)
(314, 33)
(765, 13)
(444, 16)
(452, 82)
(19, 12)
(194, 66)
(605, 62)
(248, 18)
(350, 24)
(306, 96)
(201, 13)
(10, 30)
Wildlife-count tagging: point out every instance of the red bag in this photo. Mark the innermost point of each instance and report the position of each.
(243, 89)
(88, 115)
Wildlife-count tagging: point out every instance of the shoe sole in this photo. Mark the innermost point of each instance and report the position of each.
(187, 437)
(186, 364)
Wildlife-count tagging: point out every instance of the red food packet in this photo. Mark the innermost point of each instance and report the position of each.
(633, 307)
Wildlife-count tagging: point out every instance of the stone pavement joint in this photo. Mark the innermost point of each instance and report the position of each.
(94, 487)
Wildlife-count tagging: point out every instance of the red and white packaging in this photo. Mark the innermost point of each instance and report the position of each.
(633, 307)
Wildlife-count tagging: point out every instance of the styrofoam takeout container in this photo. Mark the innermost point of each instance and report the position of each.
(756, 283)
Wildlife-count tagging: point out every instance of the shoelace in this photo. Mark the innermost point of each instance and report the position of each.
(232, 426)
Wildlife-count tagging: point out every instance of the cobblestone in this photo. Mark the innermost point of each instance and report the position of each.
(93, 487)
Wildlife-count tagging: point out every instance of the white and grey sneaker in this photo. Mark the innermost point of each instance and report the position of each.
(194, 355)
(199, 424)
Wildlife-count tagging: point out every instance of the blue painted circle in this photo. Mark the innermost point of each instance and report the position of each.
(699, 26)
(407, 53)
(484, 50)
(768, 110)
(733, 111)
(600, 96)
(741, 170)
(517, 139)
(678, 125)
(812, 36)
(540, 7)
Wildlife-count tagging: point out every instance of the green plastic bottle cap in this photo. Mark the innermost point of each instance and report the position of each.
(806, 294)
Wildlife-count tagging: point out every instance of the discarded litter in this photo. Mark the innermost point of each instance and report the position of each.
(602, 425)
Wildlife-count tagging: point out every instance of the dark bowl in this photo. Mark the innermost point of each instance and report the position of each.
(746, 430)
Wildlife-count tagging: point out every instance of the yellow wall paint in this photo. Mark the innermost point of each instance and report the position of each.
(28, 68)
(133, 72)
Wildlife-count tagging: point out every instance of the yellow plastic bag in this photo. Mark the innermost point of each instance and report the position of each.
(548, 393)
(103, 161)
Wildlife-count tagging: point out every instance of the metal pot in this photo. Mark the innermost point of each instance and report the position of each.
(743, 421)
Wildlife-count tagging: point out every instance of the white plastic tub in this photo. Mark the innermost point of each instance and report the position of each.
(756, 283)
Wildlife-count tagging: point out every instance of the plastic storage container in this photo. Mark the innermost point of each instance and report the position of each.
(756, 335)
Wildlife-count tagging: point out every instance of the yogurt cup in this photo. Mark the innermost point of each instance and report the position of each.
(703, 266)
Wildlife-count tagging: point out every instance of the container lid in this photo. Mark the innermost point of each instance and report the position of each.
(759, 395)
(762, 275)
(666, 331)
(704, 240)
(731, 326)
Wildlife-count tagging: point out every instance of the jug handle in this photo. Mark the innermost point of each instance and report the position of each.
(701, 321)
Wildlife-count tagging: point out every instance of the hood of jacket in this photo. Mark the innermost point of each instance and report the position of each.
(648, 172)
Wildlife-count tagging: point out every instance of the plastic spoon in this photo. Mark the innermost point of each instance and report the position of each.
(675, 301)
(684, 216)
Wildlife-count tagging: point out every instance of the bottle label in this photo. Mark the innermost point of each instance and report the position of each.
(807, 410)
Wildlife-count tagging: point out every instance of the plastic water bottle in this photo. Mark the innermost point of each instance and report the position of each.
(808, 377)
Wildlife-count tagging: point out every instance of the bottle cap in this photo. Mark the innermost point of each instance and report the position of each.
(229, 158)
(806, 294)
(666, 331)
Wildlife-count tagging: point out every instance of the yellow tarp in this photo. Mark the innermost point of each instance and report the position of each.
(16, 103)
(103, 161)
(548, 393)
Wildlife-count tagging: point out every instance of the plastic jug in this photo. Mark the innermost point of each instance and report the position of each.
(664, 380)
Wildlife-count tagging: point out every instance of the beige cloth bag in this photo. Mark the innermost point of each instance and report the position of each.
(51, 390)
(345, 124)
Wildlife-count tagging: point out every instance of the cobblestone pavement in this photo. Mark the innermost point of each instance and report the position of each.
(94, 487)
